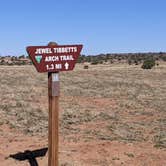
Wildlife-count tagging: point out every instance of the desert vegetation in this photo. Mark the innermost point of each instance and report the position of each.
(15, 60)
(129, 58)
(109, 114)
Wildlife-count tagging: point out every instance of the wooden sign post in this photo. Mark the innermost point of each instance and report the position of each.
(52, 59)
(53, 122)
(53, 94)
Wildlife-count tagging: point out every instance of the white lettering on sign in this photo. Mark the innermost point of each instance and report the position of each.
(43, 51)
(66, 58)
(51, 58)
(53, 66)
(58, 66)
(65, 49)
(50, 67)
(59, 58)
(56, 50)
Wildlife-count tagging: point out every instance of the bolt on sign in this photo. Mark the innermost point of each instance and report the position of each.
(54, 58)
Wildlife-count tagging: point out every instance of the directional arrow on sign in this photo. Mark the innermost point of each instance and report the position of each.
(66, 66)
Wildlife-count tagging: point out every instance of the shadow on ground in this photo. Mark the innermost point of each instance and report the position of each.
(30, 156)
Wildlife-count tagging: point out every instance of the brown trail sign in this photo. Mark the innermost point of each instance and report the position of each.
(52, 59)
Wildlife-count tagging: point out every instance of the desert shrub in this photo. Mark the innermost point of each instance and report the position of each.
(129, 61)
(81, 59)
(86, 67)
(22, 56)
(136, 62)
(2, 62)
(164, 58)
(148, 63)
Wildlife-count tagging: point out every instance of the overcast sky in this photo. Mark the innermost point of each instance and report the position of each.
(102, 26)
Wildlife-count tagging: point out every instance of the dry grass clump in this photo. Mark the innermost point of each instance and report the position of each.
(21, 103)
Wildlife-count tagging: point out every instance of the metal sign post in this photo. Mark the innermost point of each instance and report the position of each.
(53, 59)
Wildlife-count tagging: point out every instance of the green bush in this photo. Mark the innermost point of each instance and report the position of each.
(148, 64)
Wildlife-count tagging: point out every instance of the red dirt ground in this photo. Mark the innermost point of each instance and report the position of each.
(82, 151)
